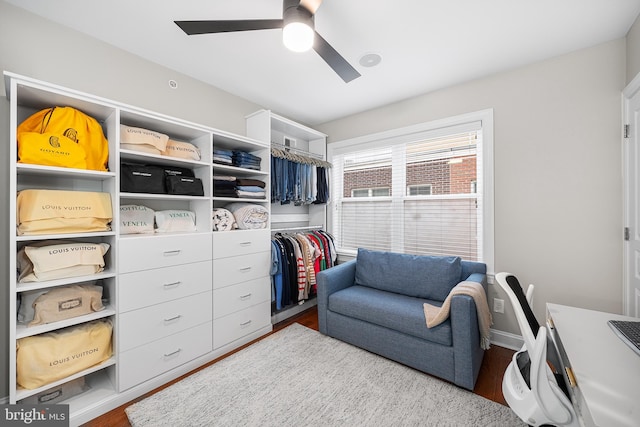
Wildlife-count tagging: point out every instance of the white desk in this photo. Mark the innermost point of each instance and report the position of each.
(606, 370)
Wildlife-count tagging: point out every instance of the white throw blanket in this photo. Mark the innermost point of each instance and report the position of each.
(436, 315)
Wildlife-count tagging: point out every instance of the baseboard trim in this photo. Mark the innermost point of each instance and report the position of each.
(506, 339)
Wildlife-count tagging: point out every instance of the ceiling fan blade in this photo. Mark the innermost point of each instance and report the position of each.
(311, 5)
(334, 59)
(208, 27)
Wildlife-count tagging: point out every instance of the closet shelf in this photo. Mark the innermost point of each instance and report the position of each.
(147, 196)
(148, 158)
(22, 393)
(32, 286)
(220, 169)
(38, 170)
(36, 237)
(239, 199)
(290, 229)
(22, 330)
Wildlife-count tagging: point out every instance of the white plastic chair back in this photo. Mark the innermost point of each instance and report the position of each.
(541, 401)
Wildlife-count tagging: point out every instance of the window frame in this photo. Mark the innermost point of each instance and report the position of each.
(418, 187)
(370, 191)
(433, 129)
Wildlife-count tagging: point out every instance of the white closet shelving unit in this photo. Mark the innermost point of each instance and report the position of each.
(284, 133)
(24, 101)
(176, 300)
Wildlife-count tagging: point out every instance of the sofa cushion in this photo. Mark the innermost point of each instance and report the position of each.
(394, 311)
(430, 277)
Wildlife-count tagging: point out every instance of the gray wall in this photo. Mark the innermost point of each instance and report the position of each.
(37, 48)
(557, 170)
(633, 50)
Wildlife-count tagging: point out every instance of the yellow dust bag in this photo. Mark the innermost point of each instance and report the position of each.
(66, 302)
(139, 139)
(39, 134)
(45, 358)
(182, 150)
(50, 150)
(49, 262)
(60, 211)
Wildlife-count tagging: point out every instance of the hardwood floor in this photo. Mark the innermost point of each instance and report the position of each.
(488, 385)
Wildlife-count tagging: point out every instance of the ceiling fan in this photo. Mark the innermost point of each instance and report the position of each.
(298, 32)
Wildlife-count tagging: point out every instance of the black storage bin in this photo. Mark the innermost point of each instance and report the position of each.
(177, 171)
(184, 185)
(136, 178)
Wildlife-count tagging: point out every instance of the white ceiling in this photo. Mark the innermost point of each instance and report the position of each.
(425, 44)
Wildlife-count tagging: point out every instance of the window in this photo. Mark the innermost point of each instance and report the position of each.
(370, 192)
(425, 189)
(419, 190)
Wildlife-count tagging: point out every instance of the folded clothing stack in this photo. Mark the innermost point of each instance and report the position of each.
(224, 157)
(246, 160)
(250, 188)
(224, 186)
(230, 186)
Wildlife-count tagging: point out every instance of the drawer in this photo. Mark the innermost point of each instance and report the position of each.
(145, 362)
(240, 242)
(229, 271)
(139, 327)
(243, 295)
(144, 288)
(234, 326)
(144, 253)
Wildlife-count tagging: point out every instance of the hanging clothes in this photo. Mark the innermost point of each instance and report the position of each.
(298, 179)
(300, 257)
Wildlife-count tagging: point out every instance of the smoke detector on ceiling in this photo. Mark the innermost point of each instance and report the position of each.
(370, 60)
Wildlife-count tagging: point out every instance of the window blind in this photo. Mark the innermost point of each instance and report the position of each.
(418, 195)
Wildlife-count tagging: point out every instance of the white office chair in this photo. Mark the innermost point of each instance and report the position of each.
(529, 386)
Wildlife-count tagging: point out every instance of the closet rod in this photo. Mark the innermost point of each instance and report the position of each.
(288, 229)
(297, 150)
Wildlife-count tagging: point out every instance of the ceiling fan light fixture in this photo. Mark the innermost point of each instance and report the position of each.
(298, 36)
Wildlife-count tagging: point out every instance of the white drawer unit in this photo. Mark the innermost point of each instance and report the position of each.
(241, 242)
(228, 271)
(147, 361)
(237, 297)
(236, 325)
(144, 288)
(144, 253)
(139, 327)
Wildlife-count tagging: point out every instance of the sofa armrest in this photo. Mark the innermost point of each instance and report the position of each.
(480, 278)
(465, 329)
(329, 281)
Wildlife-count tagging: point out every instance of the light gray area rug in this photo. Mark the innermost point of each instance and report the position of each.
(299, 377)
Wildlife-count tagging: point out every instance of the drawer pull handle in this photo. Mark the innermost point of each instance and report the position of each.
(173, 353)
(172, 253)
(245, 269)
(171, 285)
(247, 323)
(245, 244)
(245, 297)
(173, 318)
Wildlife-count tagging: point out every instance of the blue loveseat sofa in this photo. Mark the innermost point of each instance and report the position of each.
(376, 302)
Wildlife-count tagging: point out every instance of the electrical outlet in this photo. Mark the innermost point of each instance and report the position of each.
(498, 305)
